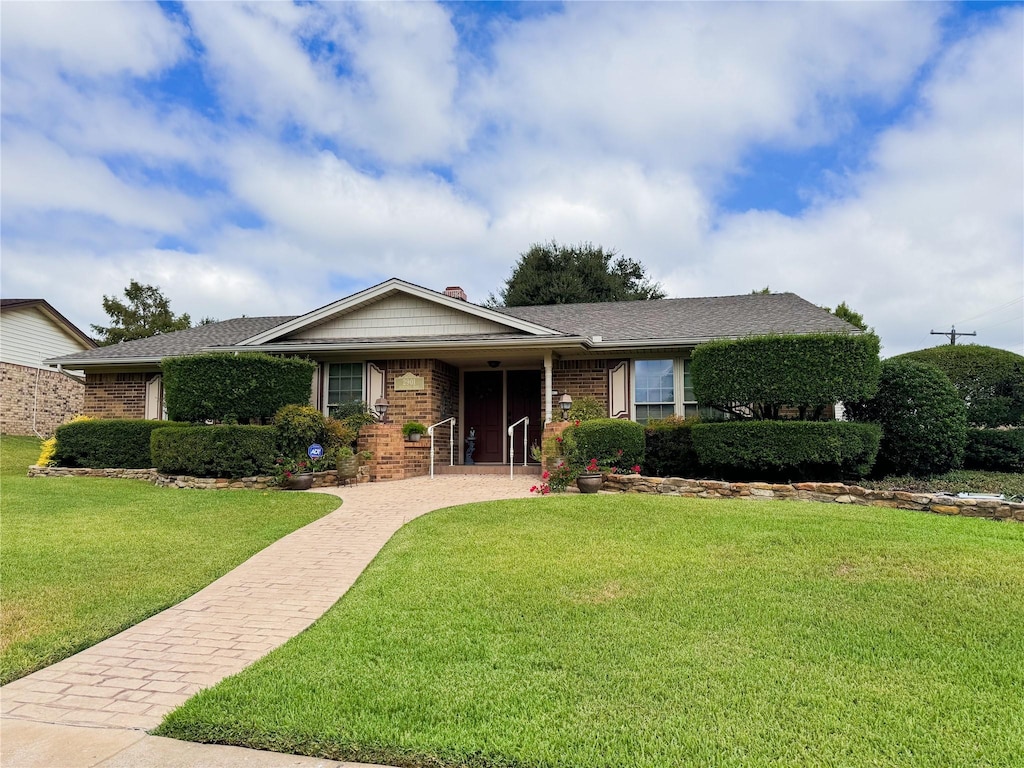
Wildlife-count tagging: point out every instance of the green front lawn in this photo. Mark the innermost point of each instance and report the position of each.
(644, 631)
(83, 558)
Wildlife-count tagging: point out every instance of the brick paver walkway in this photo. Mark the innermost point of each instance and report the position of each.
(133, 679)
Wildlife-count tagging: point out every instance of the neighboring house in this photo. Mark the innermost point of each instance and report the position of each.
(34, 398)
(434, 355)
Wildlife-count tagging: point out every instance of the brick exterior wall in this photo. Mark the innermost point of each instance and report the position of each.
(582, 378)
(438, 399)
(394, 458)
(37, 400)
(116, 395)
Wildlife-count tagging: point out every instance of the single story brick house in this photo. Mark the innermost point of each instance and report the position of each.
(435, 355)
(34, 398)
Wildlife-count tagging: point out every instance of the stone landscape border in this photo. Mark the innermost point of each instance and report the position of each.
(258, 483)
(837, 493)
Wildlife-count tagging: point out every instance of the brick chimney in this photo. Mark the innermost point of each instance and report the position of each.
(455, 292)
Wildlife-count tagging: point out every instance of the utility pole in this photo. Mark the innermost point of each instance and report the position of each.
(952, 335)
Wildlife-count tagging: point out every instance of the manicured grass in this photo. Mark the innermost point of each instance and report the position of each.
(645, 631)
(84, 558)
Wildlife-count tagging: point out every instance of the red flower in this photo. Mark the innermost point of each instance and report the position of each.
(545, 475)
(533, 489)
(577, 423)
(559, 439)
(620, 452)
(636, 469)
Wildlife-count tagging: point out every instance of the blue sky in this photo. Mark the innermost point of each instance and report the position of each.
(268, 158)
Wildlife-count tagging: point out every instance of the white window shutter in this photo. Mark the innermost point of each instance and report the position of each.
(618, 391)
(374, 386)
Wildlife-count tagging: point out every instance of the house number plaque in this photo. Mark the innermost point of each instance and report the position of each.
(409, 382)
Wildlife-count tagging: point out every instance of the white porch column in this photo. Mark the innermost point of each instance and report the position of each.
(547, 386)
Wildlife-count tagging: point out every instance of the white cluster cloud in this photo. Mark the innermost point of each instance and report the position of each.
(353, 142)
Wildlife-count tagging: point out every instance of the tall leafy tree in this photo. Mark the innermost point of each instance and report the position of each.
(550, 273)
(843, 312)
(147, 312)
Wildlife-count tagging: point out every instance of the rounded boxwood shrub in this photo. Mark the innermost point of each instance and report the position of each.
(668, 448)
(995, 450)
(223, 386)
(923, 420)
(231, 451)
(766, 373)
(787, 450)
(298, 427)
(613, 442)
(990, 380)
(103, 443)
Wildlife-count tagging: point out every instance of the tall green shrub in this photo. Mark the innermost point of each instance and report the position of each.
(613, 442)
(990, 380)
(923, 420)
(298, 427)
(787, 450)
(668, 448)
(766, 373)
(221, 385)
(231, 451)
(103, 443)
(995, 450)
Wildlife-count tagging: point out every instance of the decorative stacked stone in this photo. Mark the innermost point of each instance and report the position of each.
(259, 482)
(837, 493)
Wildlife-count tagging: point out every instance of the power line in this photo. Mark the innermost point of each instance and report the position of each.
(994, 309)
(953, 335)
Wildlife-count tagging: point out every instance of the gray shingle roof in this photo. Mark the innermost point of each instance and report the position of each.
(697, 318)
(181, 342)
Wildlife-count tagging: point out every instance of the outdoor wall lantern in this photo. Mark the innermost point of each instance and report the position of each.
(494, 363)
(381, 407)
(566, 403)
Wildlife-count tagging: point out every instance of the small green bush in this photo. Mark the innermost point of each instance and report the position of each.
(298, 427)
(102, 443)
(668, 448)
(413, 427)
(231, 451)
(809, 372)
(995, 450)
(923, 420)
(990, 380)
(223, 386)
(613, 442)
(787, 450)
(586, 408)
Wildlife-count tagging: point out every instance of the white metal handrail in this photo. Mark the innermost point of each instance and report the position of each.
(451, 442)
(525, 421)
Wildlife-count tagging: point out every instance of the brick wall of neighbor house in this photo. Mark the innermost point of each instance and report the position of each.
(36, 400)
(438, 399)
(116, 395)
(582, 377)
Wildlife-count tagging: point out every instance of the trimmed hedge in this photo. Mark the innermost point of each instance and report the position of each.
(811, 450)
(104, 443)
(218, 451)
(668, 448)
(613, 442)
(923, 420)
(990, 380)
(807, 371)
(995, 450)
(222, 385)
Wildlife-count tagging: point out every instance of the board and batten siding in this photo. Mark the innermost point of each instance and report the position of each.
(28, 336)
(400, 316)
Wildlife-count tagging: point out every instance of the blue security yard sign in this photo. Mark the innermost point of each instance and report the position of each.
(315, 451)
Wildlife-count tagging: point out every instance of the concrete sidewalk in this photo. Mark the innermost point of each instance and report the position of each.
(125, 685)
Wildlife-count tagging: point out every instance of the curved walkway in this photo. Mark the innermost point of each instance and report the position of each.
(131, 680)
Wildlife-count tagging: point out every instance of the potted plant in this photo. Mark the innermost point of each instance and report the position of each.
(347, 461)
(590, 479)
(413, 431)
(294, 474)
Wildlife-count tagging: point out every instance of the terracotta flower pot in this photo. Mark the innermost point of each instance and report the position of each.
(589, 483)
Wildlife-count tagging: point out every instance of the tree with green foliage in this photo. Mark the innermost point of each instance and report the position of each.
(146, 313)
(856, 319)
(990, 380)
(550, 273)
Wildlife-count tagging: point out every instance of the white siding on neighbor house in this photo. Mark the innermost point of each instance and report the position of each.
(28, 336)
(400, 316)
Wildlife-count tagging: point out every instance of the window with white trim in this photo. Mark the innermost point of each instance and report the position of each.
(654, 389)
(344, 385)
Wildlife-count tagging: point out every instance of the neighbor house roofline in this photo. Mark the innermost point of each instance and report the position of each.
(381, 290)
(53, 314)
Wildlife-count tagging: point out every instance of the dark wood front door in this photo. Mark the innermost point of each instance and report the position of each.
(483, 412)
(524, 388)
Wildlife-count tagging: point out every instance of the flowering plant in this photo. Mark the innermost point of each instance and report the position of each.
(543, 488)
(285, 468)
